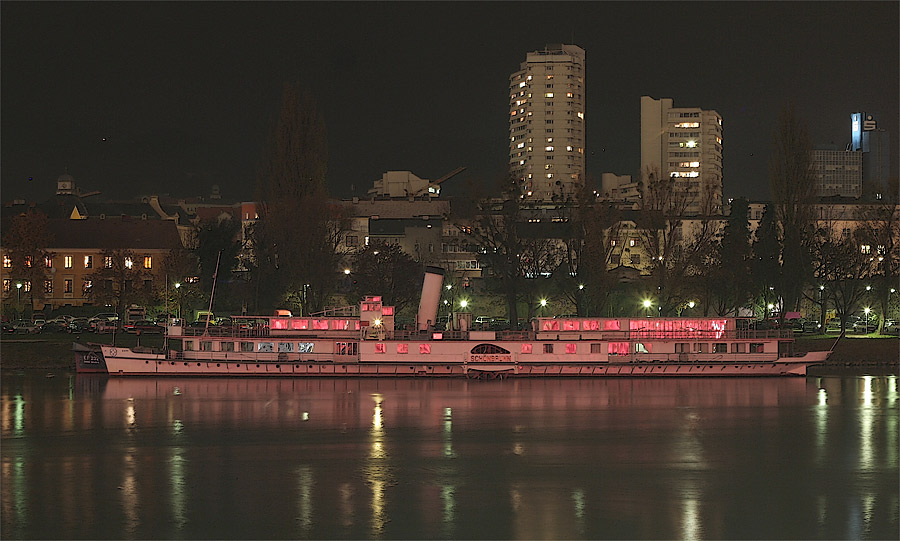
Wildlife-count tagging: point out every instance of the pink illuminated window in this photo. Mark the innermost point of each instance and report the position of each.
(437, 336)
(375, 299)
(356, 325)
(570, 325)
(387, 311)
(591, 325)
(320, 324)
(380, 348)
(611, 325)
(424, 349)
(550, 325)
(526, 348)
(402, 348)
(278, 323)
(340, 324)
(640, 347)
(299, 324)
(618, 348)
(570, 348)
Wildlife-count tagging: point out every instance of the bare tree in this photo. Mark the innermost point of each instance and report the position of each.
(120, 280)
(676, 243)
(26, 240)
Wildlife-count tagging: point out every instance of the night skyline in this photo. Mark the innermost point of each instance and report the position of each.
(140, 98)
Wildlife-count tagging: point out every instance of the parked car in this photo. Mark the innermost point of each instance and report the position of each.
(890, 327)
(24, 326)
(811, 326)
(79, 324)
(8, 328)
(106, 326)
(864, 326)
(55, 326)
(144, 326)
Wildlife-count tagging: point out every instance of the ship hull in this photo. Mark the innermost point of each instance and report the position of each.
(122, 362)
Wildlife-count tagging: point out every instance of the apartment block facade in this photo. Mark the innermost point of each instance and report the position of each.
(684, 143)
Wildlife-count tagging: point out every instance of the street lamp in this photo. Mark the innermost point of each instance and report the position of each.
(867, 310)
(19, 299)
(178, 291)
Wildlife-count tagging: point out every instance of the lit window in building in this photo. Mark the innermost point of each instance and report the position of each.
(548, 95)
(7, 285)
(67, 262)
(522, 84)
(570, 148)
(67, 287)
(148, 262)
(7, 262)
(129, 263)
(548, 149)
(28, 261)
(48, 261)
(581, 115)
(88, 261)
(865, 249)
(26, 286)
(549, 175)
(86, 288)
(48, 286)
(632, 242)
(107, 262)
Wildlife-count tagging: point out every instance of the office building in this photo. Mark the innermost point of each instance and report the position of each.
(546, 122)
(838, 172)
(684, 143)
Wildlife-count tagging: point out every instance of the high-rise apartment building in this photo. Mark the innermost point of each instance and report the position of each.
(546, 122)
(684, 143)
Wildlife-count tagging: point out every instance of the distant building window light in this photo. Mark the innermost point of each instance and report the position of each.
(581, 115)
(548, 149)
(865, 249)
(129, 263)
(48, 261)
(148, 262)
(569, 94)
(107, 262)
(88, 261)
(7, 262)
(548, 95)
(67, 263)
(570, 148)
(522, 84)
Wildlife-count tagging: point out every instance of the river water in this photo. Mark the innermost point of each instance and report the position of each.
(755, 458)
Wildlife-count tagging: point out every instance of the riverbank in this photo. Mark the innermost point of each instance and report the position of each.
(852, 355)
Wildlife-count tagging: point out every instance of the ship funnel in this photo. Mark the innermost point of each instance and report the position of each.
(431, 296)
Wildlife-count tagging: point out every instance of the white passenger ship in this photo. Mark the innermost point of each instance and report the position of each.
(367, 344)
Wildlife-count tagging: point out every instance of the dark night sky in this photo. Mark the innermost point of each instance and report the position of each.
(139, 98)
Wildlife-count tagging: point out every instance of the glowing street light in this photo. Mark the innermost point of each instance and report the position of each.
(347, 271)
(580, 286)
(691, 304)
(647, 303)
(867, 310)
(543, 303)
(463, 303)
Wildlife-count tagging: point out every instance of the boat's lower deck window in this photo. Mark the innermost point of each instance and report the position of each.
(701, 347)
(206, 345)
(227, 346)
(618, 348)
(757, 348)
(682, 347)
(265, 347)
(641, 348)
(548, 348)
(595, 348)
(189, 345)
(247, 347)
(305, 347)
(738, 347)
(720, 348)
(285, 347)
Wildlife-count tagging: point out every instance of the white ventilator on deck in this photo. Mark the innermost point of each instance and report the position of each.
(431, 296)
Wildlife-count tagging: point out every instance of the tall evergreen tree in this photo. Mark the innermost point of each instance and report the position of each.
(297, 239)
(792, 184)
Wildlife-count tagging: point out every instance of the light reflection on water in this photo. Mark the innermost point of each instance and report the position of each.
(561, 459)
